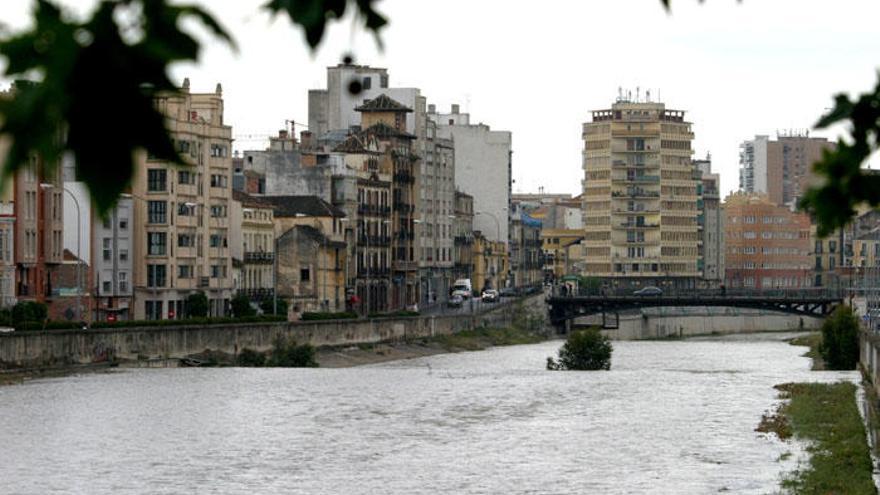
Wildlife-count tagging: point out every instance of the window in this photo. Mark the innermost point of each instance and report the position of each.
(123, 255)
(123, 281)
(186, 240)
(156, 212)
(218, 150)
(156, 275)
(219, 181)
(217, 240)
(218, 211)
(304, 275)
(184, 271)
(108, 223)
(218, 271)
(186, 178)
(105, 286)
(153, 310)
(156, 242)
(106, 249)
(123, 224)
(156, 179)
(367, 82)
(832, 246)
(186, 209)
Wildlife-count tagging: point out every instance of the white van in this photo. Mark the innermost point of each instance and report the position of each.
(462, 287)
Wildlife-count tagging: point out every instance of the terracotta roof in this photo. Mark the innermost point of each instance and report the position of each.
(383, 130)
(250, 201)
(352, 144)
(310, 206)
(382, 103)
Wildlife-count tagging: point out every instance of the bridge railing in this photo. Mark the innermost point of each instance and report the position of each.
(800, 293)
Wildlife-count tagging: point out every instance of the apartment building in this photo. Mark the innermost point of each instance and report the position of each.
(436, 215)
(252, 246)
(483, 161)
(781, 169)
(112, 262)
(526, 253)
(463, 240)
(711, 221)
(768, 245)
(640, 199)
(491, 263)
(183, 246)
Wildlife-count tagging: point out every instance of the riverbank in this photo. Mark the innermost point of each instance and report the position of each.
(466, 340)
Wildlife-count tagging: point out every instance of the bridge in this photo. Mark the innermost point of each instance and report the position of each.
(565, 308)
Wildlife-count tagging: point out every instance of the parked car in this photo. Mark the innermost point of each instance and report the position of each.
(649, 291)
(455, 301)
(507, 292)
(490, 295)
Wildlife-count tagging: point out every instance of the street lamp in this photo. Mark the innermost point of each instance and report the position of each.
(46, 186)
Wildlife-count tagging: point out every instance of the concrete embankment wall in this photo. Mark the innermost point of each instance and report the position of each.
(58, 348)
(658, 323)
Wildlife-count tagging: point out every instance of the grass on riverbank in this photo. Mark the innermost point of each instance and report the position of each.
(812, 341)
(827, 417)
(481, 338)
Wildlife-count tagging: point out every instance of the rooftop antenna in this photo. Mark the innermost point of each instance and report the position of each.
(619, 94)
(638, 91)
(647, 96)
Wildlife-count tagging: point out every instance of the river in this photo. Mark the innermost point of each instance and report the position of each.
(670, 417)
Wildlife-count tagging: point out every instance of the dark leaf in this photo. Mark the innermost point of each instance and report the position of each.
(313, 15)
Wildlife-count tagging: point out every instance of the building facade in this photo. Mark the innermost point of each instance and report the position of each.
(482, 168)
(112, 262)
(436, 214)
(711, 221)
(463, 240)
(768, 246)
(781, 169)
(526, 252)
(183, 246)
(640, 200)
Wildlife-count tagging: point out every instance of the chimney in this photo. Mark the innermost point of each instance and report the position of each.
(282, 134)
(455, 108)
(432, 108)
(305, 139)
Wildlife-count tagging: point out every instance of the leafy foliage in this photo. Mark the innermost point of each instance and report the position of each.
(840, 340)
(241, 306)
(250, 358)
(120, 55)
(313, 15)
(197, 305)
(833, 204)
(267, 306)
(287, 354)
(29, 311)
(584, 350)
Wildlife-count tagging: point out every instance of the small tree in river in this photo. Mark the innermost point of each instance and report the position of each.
(584, 350)
(197, 305)
(840, 340)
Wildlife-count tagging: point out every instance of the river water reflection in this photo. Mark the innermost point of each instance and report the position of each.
(670, 417)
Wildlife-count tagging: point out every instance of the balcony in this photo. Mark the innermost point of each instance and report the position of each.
(404, 177)
(635, 194)
(634, 225)
(403, 208)
(374, 240)
(259, 257)
(258, 294)
(463, 240)
(638, 179)
(636, 211)
(374, 273)
(368, 209)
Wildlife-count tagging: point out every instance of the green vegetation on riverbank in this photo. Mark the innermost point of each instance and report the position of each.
(812, 341)
(481, 338)
(826, 416)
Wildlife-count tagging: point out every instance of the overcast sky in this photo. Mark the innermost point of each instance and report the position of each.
(738, 69)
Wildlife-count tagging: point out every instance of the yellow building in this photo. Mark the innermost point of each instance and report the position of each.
(640, 201)
(257, 246)
(556, 244)
(491, 263)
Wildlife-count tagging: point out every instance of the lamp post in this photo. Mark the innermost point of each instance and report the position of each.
(45, 186)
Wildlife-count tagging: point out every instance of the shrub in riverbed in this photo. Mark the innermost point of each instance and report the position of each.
(584, 350)
(840, 340)
(287, 354)
(250, 358)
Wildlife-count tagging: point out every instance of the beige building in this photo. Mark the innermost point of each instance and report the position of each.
(491, 263)
(463, 226)
(311, 253)
(557, 245)
(640, 208)
(254, 246)
(181, 243)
